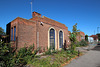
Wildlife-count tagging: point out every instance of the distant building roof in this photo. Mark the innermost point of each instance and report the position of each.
(94, 36)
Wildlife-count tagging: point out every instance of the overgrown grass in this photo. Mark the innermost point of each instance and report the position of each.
(27, 56)
(55, 59)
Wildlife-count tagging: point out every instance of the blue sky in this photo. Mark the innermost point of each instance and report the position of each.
(84, 12)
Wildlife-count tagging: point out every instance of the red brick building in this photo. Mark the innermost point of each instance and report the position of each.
(80, 36)
(42, 31)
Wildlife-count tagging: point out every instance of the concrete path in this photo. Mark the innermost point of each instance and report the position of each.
(90, 59)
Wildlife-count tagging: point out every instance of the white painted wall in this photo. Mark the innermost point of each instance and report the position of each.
(90, 39)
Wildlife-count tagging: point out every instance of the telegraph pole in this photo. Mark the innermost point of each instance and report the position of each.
(94, 32)
(31, 6)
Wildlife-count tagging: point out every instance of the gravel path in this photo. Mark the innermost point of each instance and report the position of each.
(90, 59)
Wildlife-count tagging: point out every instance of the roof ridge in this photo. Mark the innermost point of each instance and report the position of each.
(52, 19)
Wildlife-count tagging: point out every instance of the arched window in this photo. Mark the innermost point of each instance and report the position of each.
(60, 39)
(52, 39)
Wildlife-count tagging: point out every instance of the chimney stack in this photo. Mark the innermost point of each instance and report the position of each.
(36, 14)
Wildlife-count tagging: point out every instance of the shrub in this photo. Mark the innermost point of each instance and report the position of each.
(54, 60)
(54, 51)
(22, 57)
(44, 49)
(83, 43)
(25, 55)
(28, 56)
(6, 55)
(48, 52)
(77, 44)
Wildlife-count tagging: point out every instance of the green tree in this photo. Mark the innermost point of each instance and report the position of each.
(86, 38)
(1, 31)
(73, 35)
(75, 31)
(98, 36)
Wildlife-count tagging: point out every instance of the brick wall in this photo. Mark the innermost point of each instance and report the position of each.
(31, 31)
(43, 30)
(80, 36)
(25, 33)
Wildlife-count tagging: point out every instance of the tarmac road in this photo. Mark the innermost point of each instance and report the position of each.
(90, 59)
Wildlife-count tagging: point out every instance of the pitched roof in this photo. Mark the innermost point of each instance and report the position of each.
(82, 33)
(53, 22)
(94, 36)
(49, 21)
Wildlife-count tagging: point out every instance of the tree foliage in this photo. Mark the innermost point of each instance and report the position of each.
(75, 30)
(86, 38)
(98, 36)
(1, 31)
(73, 35)
(5, 54)
(8, 58)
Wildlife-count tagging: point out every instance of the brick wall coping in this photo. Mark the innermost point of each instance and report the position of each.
(22, 19)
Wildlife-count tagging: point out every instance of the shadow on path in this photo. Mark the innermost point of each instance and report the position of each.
(97, 48)
(98, 66)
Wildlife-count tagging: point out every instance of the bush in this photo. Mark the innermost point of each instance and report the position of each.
(6, 55)
(28, 56)
(10, 59)
(77, 44)
(81, 43)
(54, 51)
(25, 55)
(54, 60)
(48, 52)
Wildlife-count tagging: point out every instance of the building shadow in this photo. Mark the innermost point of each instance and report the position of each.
(97, 48)
(98, 44)
(97, 66)
(65, 45)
